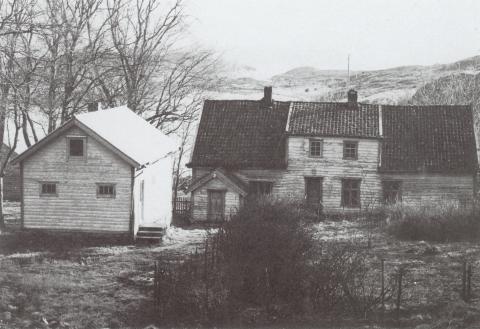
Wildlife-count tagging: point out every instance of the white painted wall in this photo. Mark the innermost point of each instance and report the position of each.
(157, 206)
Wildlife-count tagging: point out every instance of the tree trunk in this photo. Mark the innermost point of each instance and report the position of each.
(25, 130)
(3, 115)
(2, 220)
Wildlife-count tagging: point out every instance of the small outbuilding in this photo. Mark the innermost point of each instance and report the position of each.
(107, 171)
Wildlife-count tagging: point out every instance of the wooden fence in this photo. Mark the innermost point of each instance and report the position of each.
(181, 207)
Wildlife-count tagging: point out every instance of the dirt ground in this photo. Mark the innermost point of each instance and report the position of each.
(58, 284)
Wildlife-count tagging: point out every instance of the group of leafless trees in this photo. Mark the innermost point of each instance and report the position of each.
(59, 56)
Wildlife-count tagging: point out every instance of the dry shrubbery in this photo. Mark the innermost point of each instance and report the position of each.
(439, 223)
(265, 265)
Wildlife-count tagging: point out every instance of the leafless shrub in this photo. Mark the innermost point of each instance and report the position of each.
(265, 265)
(447, 221)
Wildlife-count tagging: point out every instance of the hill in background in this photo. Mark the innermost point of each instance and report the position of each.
(397, 85)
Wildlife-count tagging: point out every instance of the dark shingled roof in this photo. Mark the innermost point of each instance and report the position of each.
(248, 134)
(334, 119)
(241, 134)
(428, 138)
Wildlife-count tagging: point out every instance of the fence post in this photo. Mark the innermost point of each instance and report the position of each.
(206, 277)
(383, 285)
(399, 295)
(155, 287)
(469, 282)
(464, 280)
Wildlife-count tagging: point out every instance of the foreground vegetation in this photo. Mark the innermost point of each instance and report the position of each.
(437, 223)
(325, 275)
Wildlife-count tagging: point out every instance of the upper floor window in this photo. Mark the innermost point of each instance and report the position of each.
(48, 189)
(316, 147)
(260, 188)
(351, 192)
(76, 146)
(105, 190)
(392, 191)
(350, 150)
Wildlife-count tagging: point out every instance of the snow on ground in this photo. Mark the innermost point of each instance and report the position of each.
(339, 231)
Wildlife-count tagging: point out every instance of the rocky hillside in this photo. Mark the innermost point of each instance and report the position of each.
(393, 86)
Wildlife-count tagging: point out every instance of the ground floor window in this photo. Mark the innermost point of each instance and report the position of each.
(105, 190)
(392, 191)
(48, 189)
(258, 188)
(351, 192)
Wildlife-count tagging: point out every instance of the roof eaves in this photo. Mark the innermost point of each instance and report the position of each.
(73, 122)
(34, 148)
(334, 135)
(217, 173)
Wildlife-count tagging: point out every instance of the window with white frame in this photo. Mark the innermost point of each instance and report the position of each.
(316, 148)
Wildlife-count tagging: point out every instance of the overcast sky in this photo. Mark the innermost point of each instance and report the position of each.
(274, 36)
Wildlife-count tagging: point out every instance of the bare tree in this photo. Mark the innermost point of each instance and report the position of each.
(142, 41)
(74, 39)
(15, 27)
(164, 83)
(184, 147)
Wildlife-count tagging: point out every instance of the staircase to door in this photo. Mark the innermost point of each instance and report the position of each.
(149, 233)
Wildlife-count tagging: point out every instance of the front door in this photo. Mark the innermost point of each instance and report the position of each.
(216, 205)
(313, 192)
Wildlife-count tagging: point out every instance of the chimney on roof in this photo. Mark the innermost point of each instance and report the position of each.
(352, 96)
(93, 106)
(267, 95)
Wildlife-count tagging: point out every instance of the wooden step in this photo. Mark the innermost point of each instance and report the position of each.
(149, 237)
(149, 233)
(151, 228)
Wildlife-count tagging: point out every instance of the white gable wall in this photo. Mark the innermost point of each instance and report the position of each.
(156, 210)
(76, 208)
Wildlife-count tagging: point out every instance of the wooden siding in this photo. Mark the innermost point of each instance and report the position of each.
(290, 183)
(421, 189)
(200, 200)
(76, 208)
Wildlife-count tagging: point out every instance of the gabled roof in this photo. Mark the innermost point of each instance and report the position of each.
(248, 134)
(119, 129)
(227, 178)
(334, 119)
(241, 134)
(436, 138)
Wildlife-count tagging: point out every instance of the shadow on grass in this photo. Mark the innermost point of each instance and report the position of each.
(56, 242)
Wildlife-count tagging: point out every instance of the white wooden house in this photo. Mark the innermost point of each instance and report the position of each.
(106, 171)
(340, 156)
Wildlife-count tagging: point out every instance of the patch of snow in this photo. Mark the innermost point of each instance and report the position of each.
(338, 230)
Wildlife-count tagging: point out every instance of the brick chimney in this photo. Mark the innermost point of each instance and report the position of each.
(93, 106)
(352, 96)
(267, 96)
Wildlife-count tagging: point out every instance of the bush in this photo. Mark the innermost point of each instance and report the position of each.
(439, 223)
(265, 265)
(264, 251)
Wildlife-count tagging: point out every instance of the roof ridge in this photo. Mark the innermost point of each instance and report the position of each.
(243, 100)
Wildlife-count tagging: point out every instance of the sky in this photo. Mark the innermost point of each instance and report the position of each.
(274, 36)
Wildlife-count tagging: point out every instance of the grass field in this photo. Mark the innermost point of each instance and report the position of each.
(71, 285)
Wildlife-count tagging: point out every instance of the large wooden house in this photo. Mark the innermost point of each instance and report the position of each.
(106, 171)
(340, 157)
